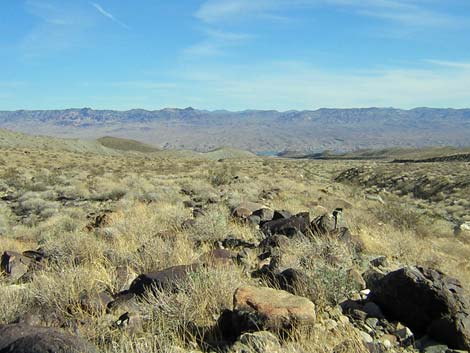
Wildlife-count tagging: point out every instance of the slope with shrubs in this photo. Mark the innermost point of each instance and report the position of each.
(49, 200)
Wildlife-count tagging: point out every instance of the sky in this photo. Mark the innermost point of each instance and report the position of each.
(234, 54)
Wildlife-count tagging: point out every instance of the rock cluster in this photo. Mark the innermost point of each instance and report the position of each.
(390, 309)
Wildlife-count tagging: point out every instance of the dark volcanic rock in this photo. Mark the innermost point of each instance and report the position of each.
(22, 338)
(427, 301)
(234, 243)
(274, 241)
(265, 214)
(281, 214)
(323, 225)
(300, 223)
(291, 280)
(167, 279)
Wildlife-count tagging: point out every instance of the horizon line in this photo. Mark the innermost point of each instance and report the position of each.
(235, 111)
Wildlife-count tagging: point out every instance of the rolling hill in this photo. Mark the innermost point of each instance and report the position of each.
(110, 146)
(122, 144)
(17, 140)
(394, 153)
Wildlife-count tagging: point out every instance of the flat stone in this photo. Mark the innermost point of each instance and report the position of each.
(257, 342)
(372, 322)
(276, 309)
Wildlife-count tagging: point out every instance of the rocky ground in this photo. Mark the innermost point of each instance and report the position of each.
(438, 189)
(148, 254)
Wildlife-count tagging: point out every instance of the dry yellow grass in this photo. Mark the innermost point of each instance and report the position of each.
(144, 234)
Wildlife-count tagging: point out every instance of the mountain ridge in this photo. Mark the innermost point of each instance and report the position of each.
(256, 130)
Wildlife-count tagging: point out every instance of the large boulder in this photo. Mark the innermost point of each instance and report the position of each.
(22, 338)
(300, 223)
(427, 301)
(168, 279)
(274, 309)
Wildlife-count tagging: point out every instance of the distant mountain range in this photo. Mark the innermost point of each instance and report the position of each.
(261, 131)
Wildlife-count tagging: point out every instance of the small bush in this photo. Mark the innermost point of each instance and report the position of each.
(32, 203)
(403, 217)
(222, 175)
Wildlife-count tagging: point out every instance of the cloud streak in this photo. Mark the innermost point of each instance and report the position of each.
(109, 15)
(397, 17)
(413, 13)
(450, 64)
(215, 43)
(218, 10)
(58, 26)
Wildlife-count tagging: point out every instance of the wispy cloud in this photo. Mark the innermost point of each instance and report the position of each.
(109, 15)
(58, 26)
(450, 64)
(204, 48)
(218, 10)
(414, 13)
(396, 18)
(215, 43)
(305, 86)
(410, 15)
(53, 13)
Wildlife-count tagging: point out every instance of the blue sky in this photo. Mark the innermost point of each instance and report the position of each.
(234, 54)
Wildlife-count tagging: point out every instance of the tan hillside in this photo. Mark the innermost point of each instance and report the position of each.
(10, 139)
(126, 144)
(172, 252)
